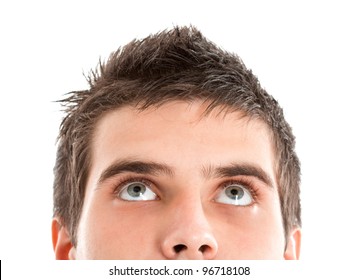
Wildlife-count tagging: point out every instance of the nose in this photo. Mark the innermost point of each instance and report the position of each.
(188, 234)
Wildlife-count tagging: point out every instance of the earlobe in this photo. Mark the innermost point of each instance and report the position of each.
(61, 241)
(293, 247)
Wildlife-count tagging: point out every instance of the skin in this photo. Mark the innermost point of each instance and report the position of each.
(182, 156)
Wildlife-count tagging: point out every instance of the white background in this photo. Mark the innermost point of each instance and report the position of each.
(304, 53)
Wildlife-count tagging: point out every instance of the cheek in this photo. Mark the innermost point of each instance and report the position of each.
(111, 232)
(249, 234)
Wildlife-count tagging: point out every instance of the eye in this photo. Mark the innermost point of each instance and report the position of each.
(137, 191)
(235, 194)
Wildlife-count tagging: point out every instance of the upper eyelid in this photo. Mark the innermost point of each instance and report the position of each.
(121, 178)
(247, 183)
(124, 182)
(120, 181)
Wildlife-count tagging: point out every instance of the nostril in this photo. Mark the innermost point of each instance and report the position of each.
(180, 247)
(203, 248)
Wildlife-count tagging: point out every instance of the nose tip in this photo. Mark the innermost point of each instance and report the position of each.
(202, 247)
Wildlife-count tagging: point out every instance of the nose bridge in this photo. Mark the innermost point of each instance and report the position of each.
(189, 234)
(191, 213)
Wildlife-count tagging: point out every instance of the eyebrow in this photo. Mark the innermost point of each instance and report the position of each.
(135, 166)
(154, 168)
(239, 169)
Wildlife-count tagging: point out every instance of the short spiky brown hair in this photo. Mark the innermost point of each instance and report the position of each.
(179, 64)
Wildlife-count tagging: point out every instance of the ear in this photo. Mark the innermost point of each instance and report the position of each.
(293, 247)
(61, 241)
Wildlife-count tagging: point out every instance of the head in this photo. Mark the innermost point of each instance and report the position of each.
(159, 112)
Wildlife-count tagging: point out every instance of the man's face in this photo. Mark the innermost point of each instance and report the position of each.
(170, 183)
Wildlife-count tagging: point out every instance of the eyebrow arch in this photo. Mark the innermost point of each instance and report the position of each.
(238, 169)
(135, 166)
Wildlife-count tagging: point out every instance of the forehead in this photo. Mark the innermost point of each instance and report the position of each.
(181, 130)
(177, 113)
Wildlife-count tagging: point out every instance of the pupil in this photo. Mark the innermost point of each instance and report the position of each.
(234, 192)
(137, 189)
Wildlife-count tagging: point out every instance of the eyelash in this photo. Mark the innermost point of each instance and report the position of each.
(130, 179)
(245, 182)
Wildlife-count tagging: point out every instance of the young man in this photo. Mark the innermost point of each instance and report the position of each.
(175, 152)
